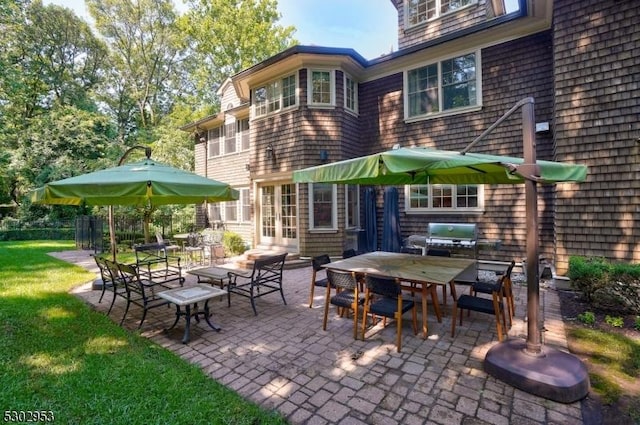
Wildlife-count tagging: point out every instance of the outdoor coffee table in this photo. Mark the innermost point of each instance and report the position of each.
(213, 275)
(187, 296)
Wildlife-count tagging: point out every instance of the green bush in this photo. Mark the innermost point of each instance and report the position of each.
(588, 318)
(233, 243)
(57, 234)
(636, 324)
(615, 321)
(590, 274)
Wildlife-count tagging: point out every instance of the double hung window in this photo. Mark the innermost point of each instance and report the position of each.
(274, 96)
(321, 87)
(444, 86)
(322, 206)
(444, 198)
(214, 136)
(419, 11)
(350, 94)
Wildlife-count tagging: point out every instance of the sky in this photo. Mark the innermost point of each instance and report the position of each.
(367, 26)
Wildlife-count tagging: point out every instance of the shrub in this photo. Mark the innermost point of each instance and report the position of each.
(636, 324)
(588, 318)
(612, 287)
(616, 322)
(233, 243)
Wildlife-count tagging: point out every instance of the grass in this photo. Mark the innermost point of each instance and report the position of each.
(613, 361)
(58, 355)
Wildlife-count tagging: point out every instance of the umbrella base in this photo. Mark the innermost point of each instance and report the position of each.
(554, 374)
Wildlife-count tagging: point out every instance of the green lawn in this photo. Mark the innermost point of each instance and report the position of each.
(60, 356)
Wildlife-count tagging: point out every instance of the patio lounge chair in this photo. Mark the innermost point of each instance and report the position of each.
(141, 292)
(265, 278)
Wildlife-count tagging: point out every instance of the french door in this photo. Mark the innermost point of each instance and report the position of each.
(279, 215)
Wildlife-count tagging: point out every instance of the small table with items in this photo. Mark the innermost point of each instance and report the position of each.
(187, 296)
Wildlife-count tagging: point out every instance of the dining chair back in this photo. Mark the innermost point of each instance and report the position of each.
(435, 252)
(348, 253)
(165, 244)
(488, 287)
(347, 296)
(411, 250)
(110, 280)
(493, 305)
(316, 268)
(383, 297)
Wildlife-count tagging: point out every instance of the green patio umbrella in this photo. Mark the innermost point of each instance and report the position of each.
(145, 183)
(422, 165)
(550, 373)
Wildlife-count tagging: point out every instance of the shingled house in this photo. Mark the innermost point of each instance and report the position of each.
(459, 67)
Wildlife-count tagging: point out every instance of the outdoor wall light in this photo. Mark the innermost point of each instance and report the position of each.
(270, 152)
(247, 167)
(324, 155)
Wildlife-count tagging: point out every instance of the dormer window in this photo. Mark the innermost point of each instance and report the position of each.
(419, 11)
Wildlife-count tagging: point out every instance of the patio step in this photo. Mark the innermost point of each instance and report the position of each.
(246, 260)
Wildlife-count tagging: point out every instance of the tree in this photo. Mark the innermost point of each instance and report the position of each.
(146, 77)
(51, 62)
(227, 36)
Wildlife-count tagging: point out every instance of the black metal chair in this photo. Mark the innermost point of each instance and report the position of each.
(141, 292)
(348, 253)
(494, 305)
(348, 296)
(316, 263)
(110, 279)
(488, 287)
(383, 297)
(265, 278)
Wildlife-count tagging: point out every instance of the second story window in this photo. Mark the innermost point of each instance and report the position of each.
(230, 138)
(321, 87)
(213, 141)
(350, 94)
(419, 11)
(242, 127)
(444, 86)
(274, 96)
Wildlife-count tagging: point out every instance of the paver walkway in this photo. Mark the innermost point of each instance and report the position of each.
(281, 359)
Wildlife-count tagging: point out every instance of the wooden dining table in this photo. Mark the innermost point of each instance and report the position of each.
(413, 270)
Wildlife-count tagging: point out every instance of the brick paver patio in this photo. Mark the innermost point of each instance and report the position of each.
(282, 359)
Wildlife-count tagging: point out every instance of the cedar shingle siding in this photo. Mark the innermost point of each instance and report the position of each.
(582, 71)
(597, 113)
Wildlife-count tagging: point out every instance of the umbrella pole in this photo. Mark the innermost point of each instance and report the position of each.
(549, 373)
(112, 233)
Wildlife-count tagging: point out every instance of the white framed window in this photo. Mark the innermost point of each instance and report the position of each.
(215, 212)
(439, 198)
(275, 96)
(321, 87)
(242, 133)
(245, 205)
(322, 206)
(352, 206)
(350, 94)
(444, 87)
(213, 141)
(230, 138)
(231, 211)
(419, 11)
